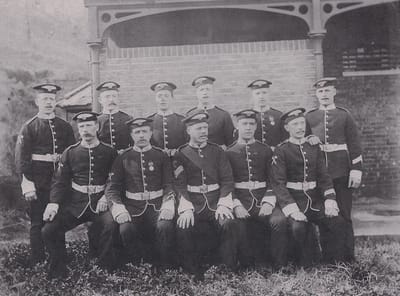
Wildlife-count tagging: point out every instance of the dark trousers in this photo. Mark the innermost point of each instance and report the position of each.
(332, 243)
(208, 238)
(264, 238)
(54, 232)
(147, 236)
(344, 198)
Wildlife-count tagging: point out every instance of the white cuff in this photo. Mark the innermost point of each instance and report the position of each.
(27, 186)
(103, 199)
(329, 191)
(237, 203)
(357, 159)
(184, 205)
(226, 201)
(331, 203)
(118, 209)
(290, 209)
(168, 205)
(356, 174)
(271, 199)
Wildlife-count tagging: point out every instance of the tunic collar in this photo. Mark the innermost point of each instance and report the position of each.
(197, 146)
(205, 107)
(108, 112)
(141, 150)
(166, 113)
(93, 145)
(265, 109)
(243, 142)
(329, 107)
(46, 116)
(297, 141)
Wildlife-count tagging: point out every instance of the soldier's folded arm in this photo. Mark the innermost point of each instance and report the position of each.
(180, 182)
(227, 184)
(355, 151)
(168, 183)
(278, 182)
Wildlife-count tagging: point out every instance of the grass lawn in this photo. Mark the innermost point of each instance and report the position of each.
(377, 272)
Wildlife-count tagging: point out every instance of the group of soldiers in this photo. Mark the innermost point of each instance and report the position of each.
(178, 189)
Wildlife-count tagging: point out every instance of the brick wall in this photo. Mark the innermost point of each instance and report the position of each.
(289, 64)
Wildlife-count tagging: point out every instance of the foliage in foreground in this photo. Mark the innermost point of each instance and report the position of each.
(376, 273)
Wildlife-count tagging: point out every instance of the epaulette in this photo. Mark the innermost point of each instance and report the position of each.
(106, 144)
(126, 150)
(312, 110)
(219, 108)
(231, 145)
(152, 115)
(182, 146)
(212, 144)
(72, 146)
(124, 113)
(179, 115)
(342, 108)
(283, 142)
(157, 148)
(259, 142)
(190, 110)
(30, 120)
(276, 110)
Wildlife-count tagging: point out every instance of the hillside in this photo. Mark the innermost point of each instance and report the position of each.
(44, 35)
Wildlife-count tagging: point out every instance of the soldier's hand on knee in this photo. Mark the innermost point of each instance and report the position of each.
(50, 212)
(123, 218)
(186, 219)
(355, 178)
(29, 196)
(102, 205)
(266, 209)
(166, 215)
(331, 212)
(223, 212)
(298, 216)
(241, 212)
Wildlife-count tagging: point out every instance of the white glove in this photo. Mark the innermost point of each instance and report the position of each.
(355, 178)
(102, 205)
(50, 212)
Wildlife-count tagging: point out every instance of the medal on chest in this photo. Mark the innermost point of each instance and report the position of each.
(271, 120)
(151, 166)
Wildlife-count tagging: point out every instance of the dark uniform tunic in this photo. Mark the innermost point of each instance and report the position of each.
(220, 125)
(301, 182)
(78, 185)
(39, 145)
(251, 165)
(142, 181)
(338, 132)
(114, 131)
(204, 180)
(169, 132)
(269, 128)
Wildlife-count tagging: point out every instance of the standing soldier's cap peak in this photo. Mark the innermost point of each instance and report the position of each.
(163, 86)
(203, 80)
(85, 116)
(195, 117)
(48, 88)
(293, 114)
(326, 81)
(108, 85)
(259, 83)
(247, 113)
(139, 122)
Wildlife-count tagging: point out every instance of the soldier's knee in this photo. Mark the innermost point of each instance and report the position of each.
(298, 228)
(127, 231)
(278, 223)
(48, 231)
(165, 226)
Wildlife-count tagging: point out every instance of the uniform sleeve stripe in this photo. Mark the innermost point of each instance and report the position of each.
(178, 171)
(357, 159)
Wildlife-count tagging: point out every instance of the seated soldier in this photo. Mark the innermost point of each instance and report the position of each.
(204, 183)
(305, 191)
(140, 188)
(254, 203)
(77, 196)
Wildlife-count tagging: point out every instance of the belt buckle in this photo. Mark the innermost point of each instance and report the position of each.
(306, 186)
(204, 188)
(146, 195)
(91, 189)
(252, 185)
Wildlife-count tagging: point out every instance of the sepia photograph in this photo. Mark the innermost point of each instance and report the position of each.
(200, 147)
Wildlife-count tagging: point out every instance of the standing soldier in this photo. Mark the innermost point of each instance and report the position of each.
(220, 123)
(305, 191)
(254, 201)
(40, 143)
(168, 129)
(341, 144)
(269, 128)
(113, 130)
(204, 183)
(141, 191)
(77, 196)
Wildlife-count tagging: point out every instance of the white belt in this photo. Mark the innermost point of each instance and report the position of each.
(46, 157)
(203, 188)
(301, 185)
(89, 189)
(333, 147)
(147, 195)
(250, 185)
